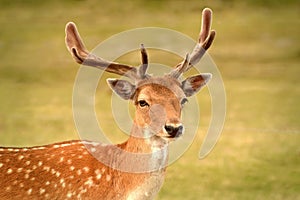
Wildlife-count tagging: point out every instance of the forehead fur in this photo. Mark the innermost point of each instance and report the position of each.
(160, 85)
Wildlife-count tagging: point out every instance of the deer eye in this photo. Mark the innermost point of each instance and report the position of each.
(143, 103)
(183, 101)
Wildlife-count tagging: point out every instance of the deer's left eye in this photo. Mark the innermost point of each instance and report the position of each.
(183, 101)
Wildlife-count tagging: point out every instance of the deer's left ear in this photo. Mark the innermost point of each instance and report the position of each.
(193, 84)
(122, 88)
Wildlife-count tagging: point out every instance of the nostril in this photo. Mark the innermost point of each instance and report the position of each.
(174, 131)
(169, 129)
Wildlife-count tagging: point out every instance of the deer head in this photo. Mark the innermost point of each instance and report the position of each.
(158, 100)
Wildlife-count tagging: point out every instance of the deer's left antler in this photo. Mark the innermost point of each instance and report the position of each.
(205, 40)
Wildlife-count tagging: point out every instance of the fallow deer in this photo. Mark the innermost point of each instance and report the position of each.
(91, 170)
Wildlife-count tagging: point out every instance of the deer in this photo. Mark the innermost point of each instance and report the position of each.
(134, 169)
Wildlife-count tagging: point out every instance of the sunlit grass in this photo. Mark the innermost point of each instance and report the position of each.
(256, 50)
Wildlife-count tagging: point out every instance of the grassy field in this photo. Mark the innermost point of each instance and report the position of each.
(256, 50)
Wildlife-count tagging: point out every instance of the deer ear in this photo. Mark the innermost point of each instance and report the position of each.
(122, 88)
(193, 84)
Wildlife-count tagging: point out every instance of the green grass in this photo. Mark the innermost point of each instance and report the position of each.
(256, 50)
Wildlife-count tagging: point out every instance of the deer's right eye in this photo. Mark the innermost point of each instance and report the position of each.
(143, 103)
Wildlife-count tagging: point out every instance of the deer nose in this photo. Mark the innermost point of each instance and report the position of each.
(174, 131)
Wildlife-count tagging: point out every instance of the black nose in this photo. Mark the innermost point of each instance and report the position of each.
(174, 131)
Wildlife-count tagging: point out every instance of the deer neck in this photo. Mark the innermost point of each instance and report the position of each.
(150, 150)
(143, 140)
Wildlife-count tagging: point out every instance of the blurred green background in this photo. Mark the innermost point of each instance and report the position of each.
(258, 54)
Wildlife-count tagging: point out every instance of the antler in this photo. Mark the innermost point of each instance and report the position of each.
(144, 66)
(82, 56)
(205, 40)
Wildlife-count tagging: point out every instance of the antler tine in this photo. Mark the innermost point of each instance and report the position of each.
(184, 65)
(206, 37)
(82, 56)
(205, 40)
(144, 66)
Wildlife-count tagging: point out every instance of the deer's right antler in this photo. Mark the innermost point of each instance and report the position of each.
(83, 56)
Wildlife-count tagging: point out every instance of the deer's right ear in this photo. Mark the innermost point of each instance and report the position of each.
(122, 88)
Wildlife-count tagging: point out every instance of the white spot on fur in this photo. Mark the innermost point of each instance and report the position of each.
(65, 145)
(61, 159)
(72, 168)
(42, 190)
(108, 177)
(46, 168)
(86, 169)
(26, 176)
(8, 188)
(9, 171)
(27, 162)
(57, 174)
(83, 191)
(1, 165)
(20, 157)
(40, 163)
(80, 156)
(69, 195)
(89, 182)
(79, 172)
(98, 174)
(53, 171)
(47, 183)
(19, 169)
(69, 161)
(29, 191)
(21, 185)
(63, 184)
